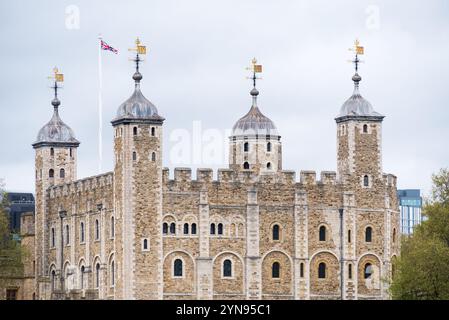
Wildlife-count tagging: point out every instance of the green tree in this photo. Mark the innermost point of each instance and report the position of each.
(422, 270)
(11, 253)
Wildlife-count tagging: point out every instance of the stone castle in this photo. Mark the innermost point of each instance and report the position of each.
(257, 232)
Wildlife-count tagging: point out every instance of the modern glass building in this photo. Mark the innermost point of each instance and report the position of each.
(410, 204)
(18, 203)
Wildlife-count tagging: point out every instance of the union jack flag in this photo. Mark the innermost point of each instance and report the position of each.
(105, 46)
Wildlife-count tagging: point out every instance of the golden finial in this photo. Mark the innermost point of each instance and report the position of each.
(255, 68)
(358, 49)
(57, 77)
(139, 48)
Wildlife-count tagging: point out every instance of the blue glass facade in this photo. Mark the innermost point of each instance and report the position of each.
(410, 205)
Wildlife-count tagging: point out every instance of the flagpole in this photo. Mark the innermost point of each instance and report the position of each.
(100, 107)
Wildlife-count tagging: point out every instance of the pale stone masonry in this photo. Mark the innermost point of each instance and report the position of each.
(257, 232)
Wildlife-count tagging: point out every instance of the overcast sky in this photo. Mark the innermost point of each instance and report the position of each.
(195, 74)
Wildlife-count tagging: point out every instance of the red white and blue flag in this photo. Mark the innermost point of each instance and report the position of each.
(105, 46)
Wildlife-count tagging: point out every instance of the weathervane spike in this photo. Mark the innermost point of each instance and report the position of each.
(56, 77)
(139, 49)
(254, 68)
(358, 50)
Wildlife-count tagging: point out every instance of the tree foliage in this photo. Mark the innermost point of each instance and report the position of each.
(11, 253)
(422, 270)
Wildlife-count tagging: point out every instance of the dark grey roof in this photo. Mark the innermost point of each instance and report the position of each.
(137, 107)
(357, 106)
(56, 132)
(254, 122)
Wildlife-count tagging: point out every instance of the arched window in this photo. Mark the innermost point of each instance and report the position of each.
(135, 131)
(322, 270)
(177, 268)
(365, 128)
(134, 156)
(350, 271)
(301, 270)
(368, 271)
(51, 173)
(153, 156)
(246, 165)
(246, 147)
(220, 228)
(172, 228)
(269, 147)
(52, 151)
(82, 232)
(165, 228)
(53, 280)
(82, 277)
(193, 228)
(97, 275)
(394, 235)
(269, 165)
(112, 227)
(368, 234)
(275, 270)
(97, 230)
(365, 181)
(276, 232)
(67, 234)
(62, 173)
(227, 268)
(349, 236)
(322, 233)
(145, 244)
(212, 228)
(186, 228)
(52, 237)
(152, 131)
(70, 152)
(112, 273)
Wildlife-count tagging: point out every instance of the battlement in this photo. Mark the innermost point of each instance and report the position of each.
(89, 183)
(307, 177)
(390, 180)
(206, 175)
(326, 178)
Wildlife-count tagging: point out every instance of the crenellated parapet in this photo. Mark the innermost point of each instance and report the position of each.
(183, 177)
(390, 180)
(82, 185)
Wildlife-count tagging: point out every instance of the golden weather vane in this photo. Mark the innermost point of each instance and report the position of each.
(254, 68)
(57, 77)
(358, 50)
(139, 49)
